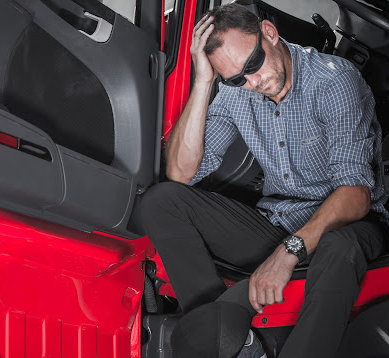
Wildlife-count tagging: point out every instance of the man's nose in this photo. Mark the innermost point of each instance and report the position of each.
(253, 80)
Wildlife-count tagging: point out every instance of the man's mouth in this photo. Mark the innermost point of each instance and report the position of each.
(262, 86)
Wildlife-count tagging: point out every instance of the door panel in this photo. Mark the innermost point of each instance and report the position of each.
(24, 176)
(97, 94)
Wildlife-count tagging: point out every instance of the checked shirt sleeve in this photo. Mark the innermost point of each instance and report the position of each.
(348, 108)
(220, 132)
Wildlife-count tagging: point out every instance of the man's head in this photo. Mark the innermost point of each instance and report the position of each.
(247, 52)
(226, 17)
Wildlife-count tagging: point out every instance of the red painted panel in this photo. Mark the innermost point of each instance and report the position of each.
(70, 341)
(15, 332)
(374, 285)
(2, 334)
(122, 343)
(9, 140)
(34, 337)
(81, 291)
(104, 344)
(163, 25)
(12, 334)
(87, 340)
(51, 338)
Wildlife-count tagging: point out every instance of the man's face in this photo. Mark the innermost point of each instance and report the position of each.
(229, 60)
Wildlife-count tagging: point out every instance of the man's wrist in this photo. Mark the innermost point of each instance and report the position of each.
(203, 85)
(289, 259)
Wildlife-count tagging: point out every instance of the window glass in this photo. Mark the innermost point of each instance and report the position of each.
(304, 9)
(169, 6)
(125, 8)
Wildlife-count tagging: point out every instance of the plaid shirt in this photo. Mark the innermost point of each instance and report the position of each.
(322, 135)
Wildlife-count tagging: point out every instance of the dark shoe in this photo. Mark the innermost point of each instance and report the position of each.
(252, 347)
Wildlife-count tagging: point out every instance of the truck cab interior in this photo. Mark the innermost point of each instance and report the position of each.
(88, 100)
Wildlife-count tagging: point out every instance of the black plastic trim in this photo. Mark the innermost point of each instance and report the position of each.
(159, 125)
(35, 150)
(381, 4)
(365, 12)
(97, 8)
(174, 38)
(148, 17)
(73, 14)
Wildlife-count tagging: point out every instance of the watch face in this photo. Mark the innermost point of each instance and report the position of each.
(294, 244)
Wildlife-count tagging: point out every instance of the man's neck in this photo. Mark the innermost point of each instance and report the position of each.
(289, 74)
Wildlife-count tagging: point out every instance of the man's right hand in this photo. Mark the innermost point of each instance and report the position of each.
(204, 71)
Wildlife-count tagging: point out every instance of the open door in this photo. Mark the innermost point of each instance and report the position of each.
(81, 93)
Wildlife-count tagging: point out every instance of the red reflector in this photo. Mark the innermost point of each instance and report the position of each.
(8, 140)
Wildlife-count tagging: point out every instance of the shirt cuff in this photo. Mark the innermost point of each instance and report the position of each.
(353, 180)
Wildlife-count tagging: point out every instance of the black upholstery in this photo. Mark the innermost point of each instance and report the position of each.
(291, 28)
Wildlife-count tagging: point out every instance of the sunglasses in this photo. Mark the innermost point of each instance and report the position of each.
(252, 65)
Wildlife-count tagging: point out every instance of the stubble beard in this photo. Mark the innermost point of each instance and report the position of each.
(279, 79)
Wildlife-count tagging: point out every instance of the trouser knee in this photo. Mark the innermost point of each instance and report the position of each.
(341, 245)
(339, 250)
(159, 197)
(162, 205)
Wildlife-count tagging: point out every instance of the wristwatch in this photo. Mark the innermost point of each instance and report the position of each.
(295, 245)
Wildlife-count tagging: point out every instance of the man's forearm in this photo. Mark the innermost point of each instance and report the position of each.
(185, 148)
(345, 205)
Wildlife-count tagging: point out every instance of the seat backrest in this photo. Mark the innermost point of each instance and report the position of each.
(291, 28)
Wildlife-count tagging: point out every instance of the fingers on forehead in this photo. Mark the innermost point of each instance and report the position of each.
(204, 19)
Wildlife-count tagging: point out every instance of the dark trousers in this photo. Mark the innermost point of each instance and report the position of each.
(188, 226)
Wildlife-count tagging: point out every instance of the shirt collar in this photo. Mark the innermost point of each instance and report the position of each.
(296, 66)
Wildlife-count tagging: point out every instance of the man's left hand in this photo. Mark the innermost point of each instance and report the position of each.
(268, 281)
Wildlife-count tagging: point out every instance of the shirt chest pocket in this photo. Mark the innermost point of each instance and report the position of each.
(314, 156)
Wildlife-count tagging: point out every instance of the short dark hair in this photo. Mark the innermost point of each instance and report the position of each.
(226, 17)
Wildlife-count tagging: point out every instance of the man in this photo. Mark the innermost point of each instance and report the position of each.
(309, 120)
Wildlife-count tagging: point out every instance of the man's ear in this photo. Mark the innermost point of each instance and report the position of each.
(269, 32)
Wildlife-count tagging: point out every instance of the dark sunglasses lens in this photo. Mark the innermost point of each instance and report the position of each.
(255, 62)
(238, 81)
(235, 81)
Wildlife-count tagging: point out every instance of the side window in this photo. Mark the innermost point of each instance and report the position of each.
(305, 9)
(169, 6)
(126, 8)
